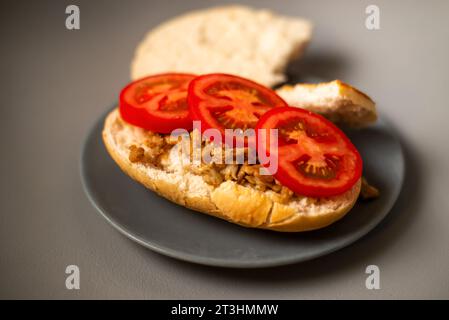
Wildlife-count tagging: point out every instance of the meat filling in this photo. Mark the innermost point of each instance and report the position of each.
(156, 148)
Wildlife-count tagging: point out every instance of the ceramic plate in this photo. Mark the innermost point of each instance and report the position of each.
(175, 231)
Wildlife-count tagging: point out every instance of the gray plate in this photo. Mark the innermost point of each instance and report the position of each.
(181, 233)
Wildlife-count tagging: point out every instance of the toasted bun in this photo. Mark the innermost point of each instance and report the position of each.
(336, 100)
(236, 203)
(255, 44)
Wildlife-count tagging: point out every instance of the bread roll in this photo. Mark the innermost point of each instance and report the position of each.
(252, 43)
(336, 100)
(236, 203)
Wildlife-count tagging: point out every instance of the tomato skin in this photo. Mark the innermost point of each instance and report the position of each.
(341, 176)
(247, 99)
(148, 114)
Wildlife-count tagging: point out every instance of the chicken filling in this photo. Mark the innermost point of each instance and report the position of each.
(156, 148)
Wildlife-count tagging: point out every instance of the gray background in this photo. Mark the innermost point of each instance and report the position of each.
(55, 83)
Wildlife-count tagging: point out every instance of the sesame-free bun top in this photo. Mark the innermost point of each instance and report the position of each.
(252, 43)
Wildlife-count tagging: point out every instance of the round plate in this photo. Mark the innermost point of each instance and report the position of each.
(178, 232)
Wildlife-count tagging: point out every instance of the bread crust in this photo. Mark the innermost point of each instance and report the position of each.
(230, 201)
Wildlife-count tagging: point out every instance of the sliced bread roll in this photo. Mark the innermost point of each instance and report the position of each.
(256, 44)
(336, 100)
(234, 202)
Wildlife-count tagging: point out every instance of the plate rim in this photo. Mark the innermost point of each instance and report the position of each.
(232, 263)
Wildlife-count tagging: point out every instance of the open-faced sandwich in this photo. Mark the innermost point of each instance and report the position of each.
(317, 177)
(223, 143)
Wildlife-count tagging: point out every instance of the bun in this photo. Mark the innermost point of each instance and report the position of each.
(255, 44)
(336, 100)
(236, 203)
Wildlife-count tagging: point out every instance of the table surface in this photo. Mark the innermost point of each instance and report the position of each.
(56, 83)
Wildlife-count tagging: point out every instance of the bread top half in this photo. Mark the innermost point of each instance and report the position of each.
(338, 101)
(253, 43)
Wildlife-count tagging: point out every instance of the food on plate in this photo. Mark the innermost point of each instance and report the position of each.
(336, 100)
(252, 43)
(233, 192)
(318, 177)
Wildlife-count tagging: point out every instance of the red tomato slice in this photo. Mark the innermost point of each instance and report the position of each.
(225, 101)
(315, 158)
(157, 103)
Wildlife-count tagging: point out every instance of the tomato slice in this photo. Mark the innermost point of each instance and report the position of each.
(315, 158)
(157, 103)
(224, 101)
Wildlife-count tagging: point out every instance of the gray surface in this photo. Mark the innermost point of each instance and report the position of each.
(55, 83)
(172, 230)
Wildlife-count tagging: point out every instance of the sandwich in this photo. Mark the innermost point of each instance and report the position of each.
(139, 137)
